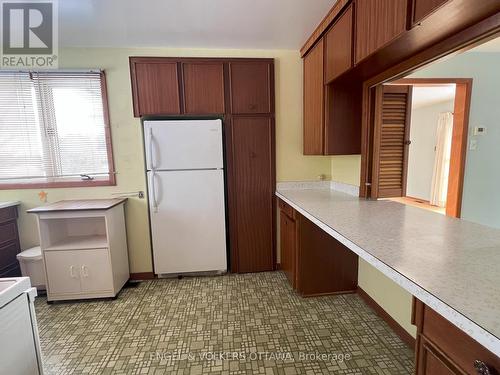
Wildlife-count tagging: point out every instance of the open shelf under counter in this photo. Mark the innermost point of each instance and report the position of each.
(79, 243)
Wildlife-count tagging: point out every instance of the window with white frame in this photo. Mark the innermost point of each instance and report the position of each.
(54, 129)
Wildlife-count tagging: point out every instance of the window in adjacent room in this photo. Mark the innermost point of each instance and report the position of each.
(54, 130)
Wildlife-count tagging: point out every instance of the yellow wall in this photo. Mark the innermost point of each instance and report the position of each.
(127, 138)
(396, 301)
(346, 169)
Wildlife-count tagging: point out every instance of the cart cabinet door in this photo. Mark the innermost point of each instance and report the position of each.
(95, 271)
(63, 272)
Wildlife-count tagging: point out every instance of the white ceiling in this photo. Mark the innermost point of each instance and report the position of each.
(259, 24)
(491, 46)
(428, 95)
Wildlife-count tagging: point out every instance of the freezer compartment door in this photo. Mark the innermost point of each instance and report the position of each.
(183, 144)
(188, 221)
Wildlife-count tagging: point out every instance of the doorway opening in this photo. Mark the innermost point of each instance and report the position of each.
(384, 170)
(422, 142)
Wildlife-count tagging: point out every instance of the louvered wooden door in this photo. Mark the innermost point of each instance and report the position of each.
(391, 141)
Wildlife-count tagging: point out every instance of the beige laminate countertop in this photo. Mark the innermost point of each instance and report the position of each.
(79, 205)
(451, 265)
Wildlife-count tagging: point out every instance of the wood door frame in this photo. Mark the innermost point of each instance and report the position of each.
(474, 35)
(461, 111)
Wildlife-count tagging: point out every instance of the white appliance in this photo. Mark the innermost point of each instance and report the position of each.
(185, 172)
(20, 353)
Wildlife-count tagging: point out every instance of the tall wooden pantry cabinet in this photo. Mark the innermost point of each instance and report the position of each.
(241, 92)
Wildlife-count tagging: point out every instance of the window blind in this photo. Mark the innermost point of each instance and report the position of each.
(52, 127)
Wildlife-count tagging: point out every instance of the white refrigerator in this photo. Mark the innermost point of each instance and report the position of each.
(185, 173)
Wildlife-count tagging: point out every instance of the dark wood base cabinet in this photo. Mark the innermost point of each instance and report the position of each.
(288, 241)
(443, 349)
(9, 243)
(314, 262)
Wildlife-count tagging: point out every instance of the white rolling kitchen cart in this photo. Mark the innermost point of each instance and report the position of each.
(84, 248)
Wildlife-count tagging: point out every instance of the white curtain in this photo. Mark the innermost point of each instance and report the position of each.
(439, 188)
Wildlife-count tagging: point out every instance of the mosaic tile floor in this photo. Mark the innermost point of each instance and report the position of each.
(234, 324)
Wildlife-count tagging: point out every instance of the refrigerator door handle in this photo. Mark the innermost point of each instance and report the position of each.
(153, 191)
(150, 149)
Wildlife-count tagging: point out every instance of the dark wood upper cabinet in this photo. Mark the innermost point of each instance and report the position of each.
(332, 115)
(339, 46)
(252, 178)
(423, 8)
(314, 106)
(343, 118)
(203, 87)
(155, 87)
(250, 84)
(377, 23)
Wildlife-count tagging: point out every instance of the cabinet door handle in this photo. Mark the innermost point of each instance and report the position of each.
(72, 272)
(482, 368)
(85, 271)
